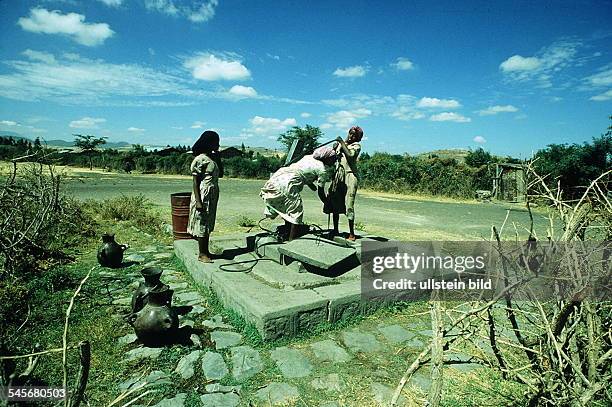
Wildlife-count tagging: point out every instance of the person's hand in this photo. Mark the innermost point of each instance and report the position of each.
(339, 139)
(199, 207)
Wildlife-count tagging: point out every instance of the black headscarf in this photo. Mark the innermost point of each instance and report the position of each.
(205, 143)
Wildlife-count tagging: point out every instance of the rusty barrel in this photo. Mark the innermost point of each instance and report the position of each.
(180, 214)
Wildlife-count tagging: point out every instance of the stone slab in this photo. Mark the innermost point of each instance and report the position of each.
(329, 351)
(276, 299)
(220, 400)
(291, 362)
(214, 366)
(278, 393)
(246, 362)
(317, 252)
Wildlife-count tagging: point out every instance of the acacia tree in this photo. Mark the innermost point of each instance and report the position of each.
(310, 135)
(89, 144)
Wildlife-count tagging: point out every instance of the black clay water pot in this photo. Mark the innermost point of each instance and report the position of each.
(111, 252)
(151, 280)
(156, 323)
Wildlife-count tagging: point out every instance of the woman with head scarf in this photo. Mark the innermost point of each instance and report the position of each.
(206, 169)
(343, 188)
(282, 192)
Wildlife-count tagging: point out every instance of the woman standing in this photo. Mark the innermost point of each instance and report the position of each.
(281, 193)
(343, 189)
(206, 169)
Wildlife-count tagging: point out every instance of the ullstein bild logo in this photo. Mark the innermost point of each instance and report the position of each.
(404, 271)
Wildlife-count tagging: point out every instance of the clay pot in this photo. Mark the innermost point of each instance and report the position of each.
(151, 280)
(111, 253)
(156, 323)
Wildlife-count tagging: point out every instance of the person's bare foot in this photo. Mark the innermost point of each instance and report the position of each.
(351, 238)
(204, 258)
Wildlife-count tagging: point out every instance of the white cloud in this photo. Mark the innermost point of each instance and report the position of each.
(86, 123)
(210, 67)
(603, 78)
(195, 11)
(71, 24)
(243, 91)
(403, 64)
(9, 123)
(39, 56)
(112, 3)
(351, 72)
(493, 110)
(480, 140)
(197, 124)
(268, 126)
(602, 97)
(305, 115)
(544, 66)
(519, 63)
(407, 113)
(344, 119)
(135, 130)
(438, 103)
(449, 117)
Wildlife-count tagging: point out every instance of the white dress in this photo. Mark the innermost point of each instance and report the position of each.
(281, 193)
(201, 223)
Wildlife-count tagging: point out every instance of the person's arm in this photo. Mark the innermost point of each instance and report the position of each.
(321, 193)
(312, 187)
(347, 151)
(196, 192)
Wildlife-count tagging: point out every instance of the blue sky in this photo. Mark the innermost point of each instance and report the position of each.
(416, 76)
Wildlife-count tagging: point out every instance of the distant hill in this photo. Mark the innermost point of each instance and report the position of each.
(458, 154)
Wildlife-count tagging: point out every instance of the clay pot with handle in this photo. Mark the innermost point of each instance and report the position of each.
(157, 322)
(110, 253)
(151, 280)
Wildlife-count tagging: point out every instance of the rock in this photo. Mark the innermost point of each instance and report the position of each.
(414, 343)
(246, 362)
(176, 401)
(142, 353)
(329, 351)
(149, 249)
(219, 388)
(331, 382)
(361, 342)
(187, 322)
(135, 258)
(186, 366)
(214, 366)
(383, 395)
(224, 339)
(195, 339)
(160, 256)
(197, 310)
(127, 339)
(220, 400)
(150, 264)
(177, 286)
(122, 301)
(291, 362)
(189, 298)
(216, 322)
(396, 333)
(155, 378)
(422, 381)
(167, 229)
(278, 393)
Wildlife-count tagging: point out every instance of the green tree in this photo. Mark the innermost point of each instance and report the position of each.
(310, 135)
(89, 145)
(478, 158)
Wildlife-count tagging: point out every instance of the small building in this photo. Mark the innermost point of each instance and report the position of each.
(509, 183)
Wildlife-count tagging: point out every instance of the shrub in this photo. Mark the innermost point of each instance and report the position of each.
(130, 208)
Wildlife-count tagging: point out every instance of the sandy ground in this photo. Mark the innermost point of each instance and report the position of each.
(396, 216)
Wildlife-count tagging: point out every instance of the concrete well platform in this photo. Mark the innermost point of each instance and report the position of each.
(283, 288)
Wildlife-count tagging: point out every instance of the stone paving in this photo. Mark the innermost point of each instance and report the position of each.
(223, 369)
